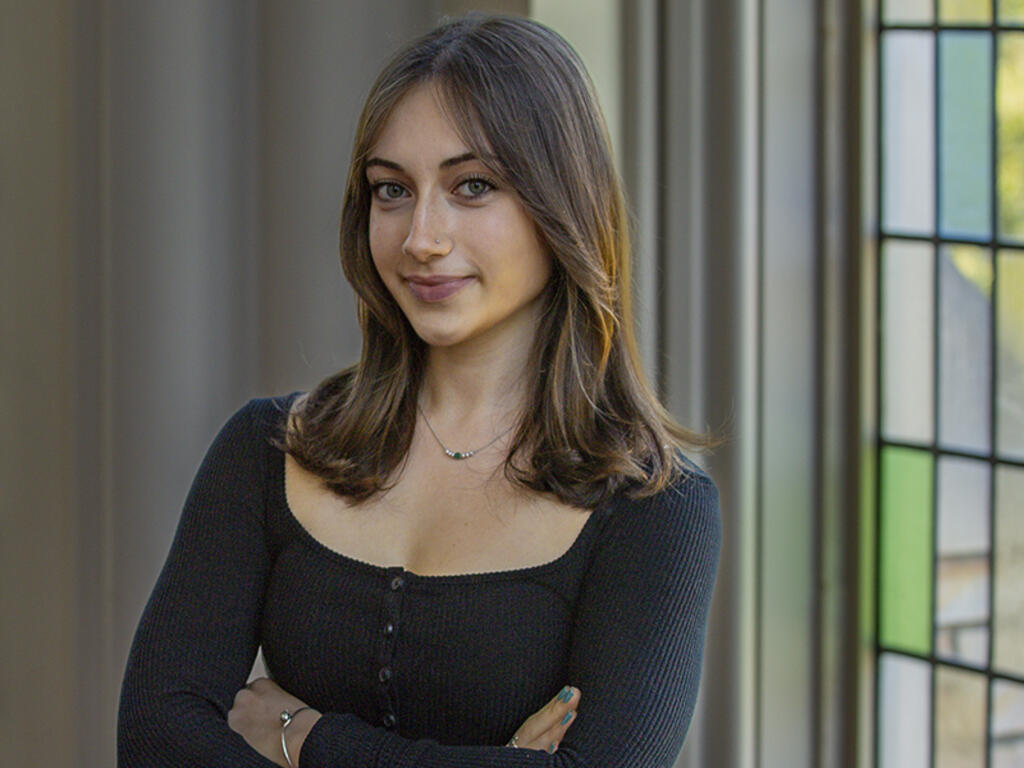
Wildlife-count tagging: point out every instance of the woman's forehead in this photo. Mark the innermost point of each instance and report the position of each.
(428, 120)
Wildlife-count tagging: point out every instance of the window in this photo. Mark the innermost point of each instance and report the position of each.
(950, 503)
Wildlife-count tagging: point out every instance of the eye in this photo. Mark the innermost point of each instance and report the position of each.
(475, 187)
(388, 191)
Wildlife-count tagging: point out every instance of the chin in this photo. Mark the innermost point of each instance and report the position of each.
(439, 337)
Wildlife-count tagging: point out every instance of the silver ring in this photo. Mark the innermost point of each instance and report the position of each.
(513, 742)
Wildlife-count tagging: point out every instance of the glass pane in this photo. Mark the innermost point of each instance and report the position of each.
(908, 341)
(906, 550)
(963, 566)
(1010, 352)
(965, 11)
(907, 11)
(965, 358)
(967, 644)
(960, 705)
(908, 139)
(1010, 116)
(904, 718)
(1007, 724)
(1008, 624)
(1011, 11)
(963, 506)
(966, 129)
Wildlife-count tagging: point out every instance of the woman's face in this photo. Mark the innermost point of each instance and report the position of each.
(453, 244)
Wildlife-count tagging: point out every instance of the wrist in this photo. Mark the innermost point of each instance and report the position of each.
(299, 727)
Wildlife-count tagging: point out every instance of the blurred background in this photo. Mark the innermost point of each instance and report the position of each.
(829, 215)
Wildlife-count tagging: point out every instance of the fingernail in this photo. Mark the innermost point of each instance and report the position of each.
(567, 718)
(565, 695)
(551, 749)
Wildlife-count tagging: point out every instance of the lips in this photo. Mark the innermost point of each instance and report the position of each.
(436, 287)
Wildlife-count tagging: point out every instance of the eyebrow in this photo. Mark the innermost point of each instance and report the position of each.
(449, 163)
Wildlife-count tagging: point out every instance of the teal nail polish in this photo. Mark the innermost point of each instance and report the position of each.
(567, 718)
(565, 694)
(551, 749)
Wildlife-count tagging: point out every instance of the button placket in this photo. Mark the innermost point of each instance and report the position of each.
(391, 615)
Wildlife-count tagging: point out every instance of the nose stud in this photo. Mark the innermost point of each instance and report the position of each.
(436, 241)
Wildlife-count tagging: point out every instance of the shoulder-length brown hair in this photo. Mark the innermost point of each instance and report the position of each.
(521, 99)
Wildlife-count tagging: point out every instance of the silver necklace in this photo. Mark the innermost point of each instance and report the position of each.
(459, 455)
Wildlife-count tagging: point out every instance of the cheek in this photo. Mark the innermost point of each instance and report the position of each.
(539, 267)
(382, 249)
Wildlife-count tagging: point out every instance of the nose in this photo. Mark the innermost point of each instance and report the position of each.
(428, 236)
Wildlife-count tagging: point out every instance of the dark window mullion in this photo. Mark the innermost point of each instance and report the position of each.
(993, 378)
(936, 352)
(992, 242)
(913, 27)
(959, 453)
(879, 359)
(934, 660)
(984, 242)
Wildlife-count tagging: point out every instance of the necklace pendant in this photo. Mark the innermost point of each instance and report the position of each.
(459, 455)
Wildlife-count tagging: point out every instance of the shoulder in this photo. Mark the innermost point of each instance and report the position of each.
(692, 495)
(682, 520)
(249, 434)
(263, 417)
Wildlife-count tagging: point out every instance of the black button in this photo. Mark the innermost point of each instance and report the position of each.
(385, 674)
(389, 629)
(389, 720)
(397, 583)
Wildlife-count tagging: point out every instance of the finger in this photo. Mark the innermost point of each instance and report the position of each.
(550, 722)
(550, 739)
(547, 716)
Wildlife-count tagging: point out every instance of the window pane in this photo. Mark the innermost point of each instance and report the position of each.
(906, 11)
(965, 11)
(963, 506)
(963, 567)
(906, 551)
(960, 718)
(908, 341)
(1011, 11)
(1010, 351)
(966, 130)
(1008, 646)
(965, 285)
(904, 712)
(1007, 724)
(908, 144)
(1010, 117)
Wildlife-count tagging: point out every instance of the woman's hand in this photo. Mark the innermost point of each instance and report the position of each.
(545, 728)
(256, 715)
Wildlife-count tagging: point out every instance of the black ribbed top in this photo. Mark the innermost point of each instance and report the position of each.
(416, 670)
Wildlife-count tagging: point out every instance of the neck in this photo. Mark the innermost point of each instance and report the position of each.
(474, 383)
(478, 388)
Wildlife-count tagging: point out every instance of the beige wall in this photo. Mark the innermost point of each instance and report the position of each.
(38, 557)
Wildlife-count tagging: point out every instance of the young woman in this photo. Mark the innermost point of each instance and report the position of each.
(481, 545)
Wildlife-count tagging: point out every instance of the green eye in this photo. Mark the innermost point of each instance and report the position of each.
(475, 187)
(387, 191)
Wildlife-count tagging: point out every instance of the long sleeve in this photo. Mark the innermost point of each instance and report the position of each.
(634, 648)
(636, 651)
(198, 635)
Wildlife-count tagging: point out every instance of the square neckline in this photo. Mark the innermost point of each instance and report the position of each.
(376, 569)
